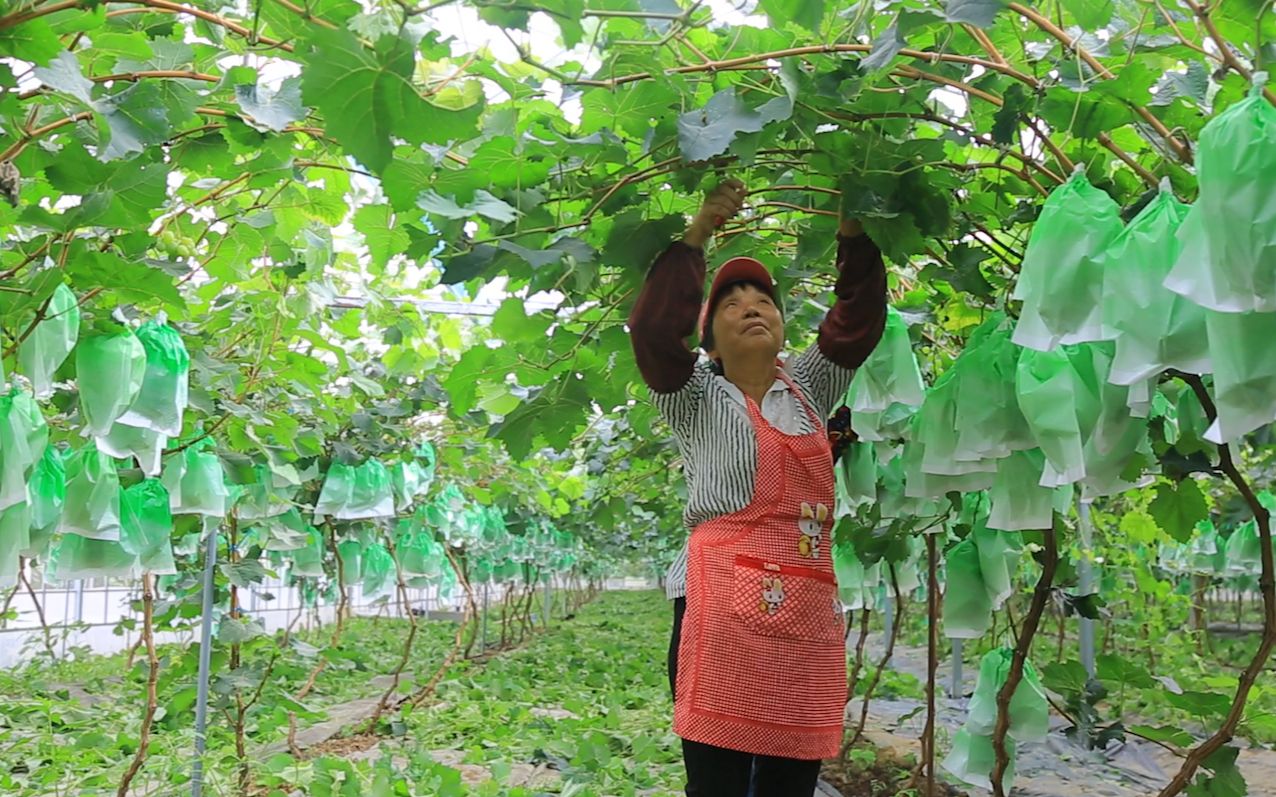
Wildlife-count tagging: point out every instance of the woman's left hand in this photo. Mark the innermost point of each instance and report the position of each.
(850, 228)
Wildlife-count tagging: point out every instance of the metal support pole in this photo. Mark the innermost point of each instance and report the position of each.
(954, 686)
(205, 653)
(1085, 585)
(888, 618)
(485, 601)
(66, 618)
(79, 600)
(548, 598)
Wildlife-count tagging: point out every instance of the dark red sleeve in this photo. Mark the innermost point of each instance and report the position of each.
(665, 316)
(853, 326)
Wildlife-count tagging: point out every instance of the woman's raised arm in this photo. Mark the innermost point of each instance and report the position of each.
(854, 324)
(665, 314)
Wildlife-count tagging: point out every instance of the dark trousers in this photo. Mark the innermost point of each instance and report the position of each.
(718, 772)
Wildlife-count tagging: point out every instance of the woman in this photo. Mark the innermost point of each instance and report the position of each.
(757, 661)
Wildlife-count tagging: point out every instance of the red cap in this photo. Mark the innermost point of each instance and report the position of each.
(737, 269)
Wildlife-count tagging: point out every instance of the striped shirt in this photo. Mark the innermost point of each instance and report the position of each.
(711, 425)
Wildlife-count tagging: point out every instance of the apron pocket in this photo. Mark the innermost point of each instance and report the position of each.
(785, 601)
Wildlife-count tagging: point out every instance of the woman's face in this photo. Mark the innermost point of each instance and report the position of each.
(746, 323)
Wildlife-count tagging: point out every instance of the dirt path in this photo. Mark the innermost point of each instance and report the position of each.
(1055, 767)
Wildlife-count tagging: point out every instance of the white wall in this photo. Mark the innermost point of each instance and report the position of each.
(86, 613)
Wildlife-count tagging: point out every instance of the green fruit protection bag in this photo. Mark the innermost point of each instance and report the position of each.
(999, 555)
(147, 526)
(350, 554)
(1154, 327)
(1186, 424)
(1114, 437)
(447, 582)
(1201, 554)
(856, 477)
(908, 573)
(1018, 501)
(1049, 390)
(308, 591)
(79, 557)
(308, 560)
(495, 533)
(1228, 262)
(967, 605)
(974, 509)
(46, 492)
(1140, 398)
(1029, 709)
(410, 481)
(372, 495)
(856, 584)
(377, 572)
(877, 427)
(937, 432)
(481, 570)
(109, 371)
(337, 492)
(919, 484)
(1173, 558)
(427, 456)
(267, 497)
(161, 401)
(1244, 551)
(1061, 279)
(890, 374)
(988, 420)
(287, 531)
(973, 759)
(15, 537)
(1244, 372)
(23, 438)
(131, 442)
(414, 545)
(507, 571)
(92, 506)
(196, 482)
(51, 342)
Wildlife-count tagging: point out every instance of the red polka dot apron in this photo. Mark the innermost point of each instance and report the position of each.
(762, 661)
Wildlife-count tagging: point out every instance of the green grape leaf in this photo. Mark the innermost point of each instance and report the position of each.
(245, 573)
(32, 40)
(1193, 85)
(272, 110)
(484, 205)
(1090, 14)
(979, 13)
(1066, 678)
(1121, 671)
(366, 95)
(383, 237)
(1177, 509)
(238, 630)
(1176, 736)
(1016, 102)
(65, 75)
(710, 130)
(807, 13)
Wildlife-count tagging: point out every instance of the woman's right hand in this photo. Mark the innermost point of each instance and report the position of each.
(722, 204)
